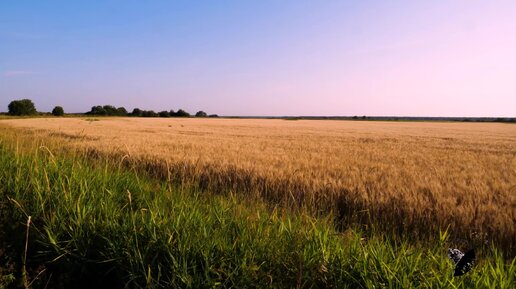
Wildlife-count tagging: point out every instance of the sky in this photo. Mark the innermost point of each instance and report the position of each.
(263, 58)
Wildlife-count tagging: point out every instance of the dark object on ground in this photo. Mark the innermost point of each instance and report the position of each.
(463, 262)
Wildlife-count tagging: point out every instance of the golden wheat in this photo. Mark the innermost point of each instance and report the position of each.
(411, 177)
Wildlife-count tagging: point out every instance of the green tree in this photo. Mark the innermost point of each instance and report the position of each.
(58, 111)
(201, 113)
(164, 113)
(182, 113)
(22, 107)
(110, 110)
(149, 113)
(137, 112)
(121, 111)
(97, 110)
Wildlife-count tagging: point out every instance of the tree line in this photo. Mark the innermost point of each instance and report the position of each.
(27, 107)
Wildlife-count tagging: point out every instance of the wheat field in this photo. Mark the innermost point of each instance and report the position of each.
(409, 178)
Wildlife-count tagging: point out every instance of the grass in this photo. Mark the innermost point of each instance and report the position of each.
(96, 224)
(417, 178)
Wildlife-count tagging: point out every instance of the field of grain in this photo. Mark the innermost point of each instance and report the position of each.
(68, 220)
(410, 178)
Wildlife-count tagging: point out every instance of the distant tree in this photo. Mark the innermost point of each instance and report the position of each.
(213, 115)
(149, 113)
(97, 110)
(172, 113)
(201, 113)
(364, 117)
(182, 113)
(121, 111)
(22, 107)
(137, 112)
(355, 117)
(58, 111)
(164, 114)
(110, 110)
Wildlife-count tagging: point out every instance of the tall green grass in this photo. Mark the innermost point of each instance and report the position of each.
(97, 225)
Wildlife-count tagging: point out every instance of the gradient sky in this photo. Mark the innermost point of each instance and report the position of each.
(405, 58)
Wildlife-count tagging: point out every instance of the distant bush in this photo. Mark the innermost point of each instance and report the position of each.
(22, 107)
(182, 113)
(121, 111)
(110, 110)
(58, 111)
(149, 113)
(107, 110)
(213, 115)
(201, 113)
(136, 112)
(164, 114)
(97, 110)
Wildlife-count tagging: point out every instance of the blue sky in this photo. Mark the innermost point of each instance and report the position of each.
(431, 58)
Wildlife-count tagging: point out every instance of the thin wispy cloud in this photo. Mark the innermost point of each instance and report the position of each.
(13, 73)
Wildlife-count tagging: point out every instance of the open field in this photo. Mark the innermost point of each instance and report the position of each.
(72, 221)
(409, 178)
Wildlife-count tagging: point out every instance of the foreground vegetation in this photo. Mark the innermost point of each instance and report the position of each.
(72, 221)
